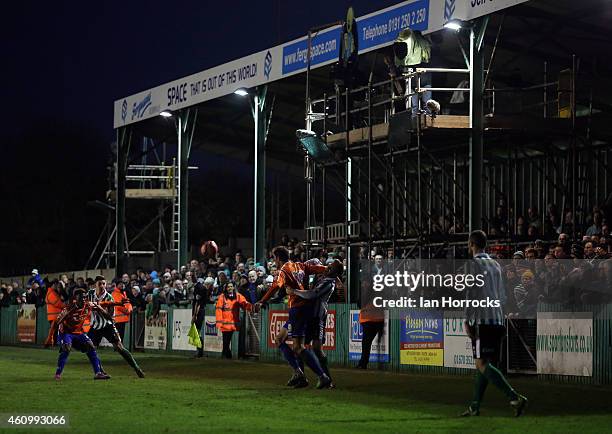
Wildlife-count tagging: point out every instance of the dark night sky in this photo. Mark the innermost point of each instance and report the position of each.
(64, 65)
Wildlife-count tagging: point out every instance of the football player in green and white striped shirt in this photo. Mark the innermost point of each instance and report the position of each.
(104, 327)
(485, 327)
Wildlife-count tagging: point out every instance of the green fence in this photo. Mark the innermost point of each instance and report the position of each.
(8, 325)
(602, 346)
(339, 355)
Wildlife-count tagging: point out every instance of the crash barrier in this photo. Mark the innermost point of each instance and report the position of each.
(560, 346)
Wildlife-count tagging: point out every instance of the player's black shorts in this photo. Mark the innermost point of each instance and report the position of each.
(109, 332)
(487, 342)
(299, 320)
(316, 329)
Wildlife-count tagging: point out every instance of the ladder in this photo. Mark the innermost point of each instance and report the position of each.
(176, 207)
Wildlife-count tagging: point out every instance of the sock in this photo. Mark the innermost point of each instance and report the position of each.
(300, 362)
(495, 377)
(480, 385)
(95, 362)
(323, 361)
(312, 362)
(127, 356)
(289, 356)
(61, 362)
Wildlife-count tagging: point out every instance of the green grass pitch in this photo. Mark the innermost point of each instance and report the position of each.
(186, 395)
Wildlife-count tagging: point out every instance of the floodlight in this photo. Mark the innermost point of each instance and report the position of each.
(454, 25)
(241, 92)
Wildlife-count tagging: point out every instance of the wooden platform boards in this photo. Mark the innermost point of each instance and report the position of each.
(146, 193)
(456, 122)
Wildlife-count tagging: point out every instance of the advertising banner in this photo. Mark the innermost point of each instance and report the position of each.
(380, 346)
(330, 331)
(422, 338)
(382, 27)
(457, 345)
(156, 331)
(26, 324)
(276, 320)
(213, 338)
(375, 30)
(565, 343)
(181, 319)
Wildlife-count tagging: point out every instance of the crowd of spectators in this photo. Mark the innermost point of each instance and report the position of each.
(148, 290)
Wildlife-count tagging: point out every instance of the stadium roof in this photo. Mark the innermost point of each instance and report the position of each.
(523, 36)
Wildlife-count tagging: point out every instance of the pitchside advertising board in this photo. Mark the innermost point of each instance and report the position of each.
(422, 338)
(213, 338)
(375, 30)
(380, 346)
(26, 324)
(565, 343)
(278, 318)
(181, 323)
(457, 345)
(156, 331)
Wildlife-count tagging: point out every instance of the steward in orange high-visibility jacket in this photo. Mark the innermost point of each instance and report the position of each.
(54, 301)
(228, 315)
(122, 313)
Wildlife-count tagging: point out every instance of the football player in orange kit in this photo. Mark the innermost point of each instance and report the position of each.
(72, 333)
(301, 311)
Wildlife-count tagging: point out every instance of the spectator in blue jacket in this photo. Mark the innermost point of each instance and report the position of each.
(35, 278)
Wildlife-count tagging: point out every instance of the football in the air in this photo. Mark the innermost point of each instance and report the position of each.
(209, 249)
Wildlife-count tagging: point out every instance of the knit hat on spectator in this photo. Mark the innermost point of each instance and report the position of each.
(34, 271)
(519, 253)
(136, 288)
(156, 281)
(261, 268)
(269, 279)
(209, 281)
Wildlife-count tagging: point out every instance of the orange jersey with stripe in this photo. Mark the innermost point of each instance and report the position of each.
(293, 275)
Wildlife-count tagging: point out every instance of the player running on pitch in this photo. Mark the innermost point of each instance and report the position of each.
(485, 328)
(321, 292)
(71, 326)
(103, 326)
(292, 275)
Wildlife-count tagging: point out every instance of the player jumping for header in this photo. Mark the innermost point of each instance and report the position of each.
(320, 293)
(292, 275)
(70, 324)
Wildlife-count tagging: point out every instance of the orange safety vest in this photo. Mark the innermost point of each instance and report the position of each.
(122, 313)
(370, 313)
(54, 304)
(227, 312)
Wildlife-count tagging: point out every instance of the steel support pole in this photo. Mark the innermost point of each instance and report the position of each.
(476, 125)
(186, 128)
(124, 137)
(259, 193)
